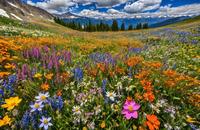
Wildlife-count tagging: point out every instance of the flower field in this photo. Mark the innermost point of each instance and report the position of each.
(64, 83)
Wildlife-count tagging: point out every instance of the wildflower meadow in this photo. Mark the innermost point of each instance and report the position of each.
(63, 82)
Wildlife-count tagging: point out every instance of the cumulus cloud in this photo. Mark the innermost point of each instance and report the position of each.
(60, 6)
(134, 9)
(164, 11)
(142, 5)
(113, 11)
(53, 6)
(109, 3)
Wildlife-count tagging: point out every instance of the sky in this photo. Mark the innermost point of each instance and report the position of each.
(110, 9)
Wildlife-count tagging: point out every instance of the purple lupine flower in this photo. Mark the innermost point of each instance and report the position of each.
(56, 103)
(78, 74)
(25, 121)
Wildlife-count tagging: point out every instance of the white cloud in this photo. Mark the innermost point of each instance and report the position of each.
(53, 6)
(84, 2)
(113, 11)
(136, 9)
(109, 3)
(142, 5)
(61, 6)
(164, 11)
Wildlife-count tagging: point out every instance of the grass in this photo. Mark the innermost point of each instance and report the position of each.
(95, 80)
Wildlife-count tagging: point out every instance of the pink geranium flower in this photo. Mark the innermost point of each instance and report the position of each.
(130, 109)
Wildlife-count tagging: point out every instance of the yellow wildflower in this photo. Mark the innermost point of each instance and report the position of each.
(9, 66)
(5, 121)
(11, 103)
(84, 128)
(61, 62)
(103, 124)
(191, 120)
(37, 75)
(48, 76)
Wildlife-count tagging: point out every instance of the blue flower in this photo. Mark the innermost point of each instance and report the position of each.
(56, 103)
(130, 74)
(193, 127)
(12, 79)
(104, 82)
(1, 92)
(78, 74)
(135, 50)
(25, 120)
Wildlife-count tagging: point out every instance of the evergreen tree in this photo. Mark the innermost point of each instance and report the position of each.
(139, 26)
(145, 26)
(130, 27)
(115, 26)
(123, 27)
(101, 26)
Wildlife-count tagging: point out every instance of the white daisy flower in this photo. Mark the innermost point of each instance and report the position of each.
(111, 95)
(45, 123)
(76, 110)
(42, 97)
(37, 106)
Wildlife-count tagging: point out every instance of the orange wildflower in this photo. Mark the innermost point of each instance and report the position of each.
(45, 87)
(93, 72)
(155, 65)
(138, 96)
(3, 74)
(132, 61)
(103, 125)
(48, 76)
(101, 66)
(152, 122)
(129, 98)
(119, 70)
(143, 74)
(111, 74)
(145, 83)
(170, 73)
(64, 76)
(59, 93)
(170, 83)
(149, 96)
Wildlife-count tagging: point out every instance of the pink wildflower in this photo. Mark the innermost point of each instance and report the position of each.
(130, 109)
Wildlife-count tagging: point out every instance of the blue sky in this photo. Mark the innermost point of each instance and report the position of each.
(121, 8)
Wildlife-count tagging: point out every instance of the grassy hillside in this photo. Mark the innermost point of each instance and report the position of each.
(58, 78)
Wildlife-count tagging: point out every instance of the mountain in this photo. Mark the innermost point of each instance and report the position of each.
(170, 21)
(16, 9)
(127, 21)
(153, 22)
(67, 15)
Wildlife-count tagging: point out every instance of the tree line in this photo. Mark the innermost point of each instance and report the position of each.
(89, 27)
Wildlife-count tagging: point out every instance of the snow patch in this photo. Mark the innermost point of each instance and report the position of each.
(4, 13)
(16, 17)
(13, 5)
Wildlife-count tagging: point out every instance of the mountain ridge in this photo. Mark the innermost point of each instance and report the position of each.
(15, 9)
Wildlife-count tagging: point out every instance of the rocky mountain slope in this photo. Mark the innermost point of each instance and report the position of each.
(15, 9)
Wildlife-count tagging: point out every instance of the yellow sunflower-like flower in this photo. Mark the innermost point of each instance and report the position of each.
(11, 103)
(5, 121)
(38, 75)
